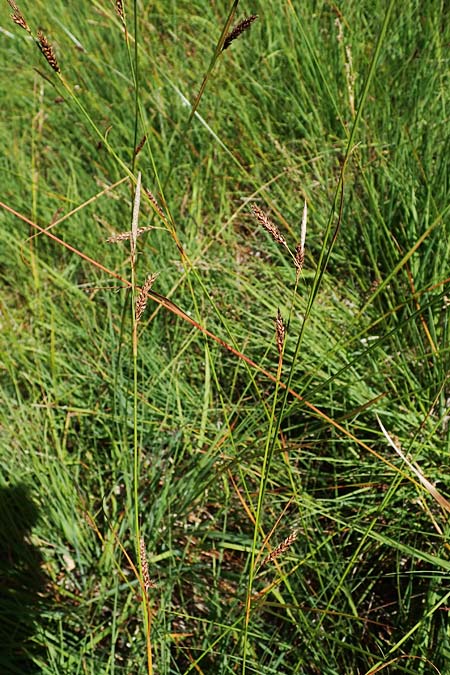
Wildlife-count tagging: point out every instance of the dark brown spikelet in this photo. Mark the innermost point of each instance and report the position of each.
(141, 302)
(119, 10)
(268, 225)
(281, 548)
(299, 257)
(373, 286)
(148, 583)
(47, 50)
(281, 332)
(140, 145)
(153, 200)
(240, 28)
(18, 17)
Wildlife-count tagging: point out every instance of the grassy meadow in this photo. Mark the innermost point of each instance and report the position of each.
(224, 438)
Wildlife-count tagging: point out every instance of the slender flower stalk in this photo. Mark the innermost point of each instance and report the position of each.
(280, 332)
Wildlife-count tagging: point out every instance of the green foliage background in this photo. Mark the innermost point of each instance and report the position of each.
(366, 580)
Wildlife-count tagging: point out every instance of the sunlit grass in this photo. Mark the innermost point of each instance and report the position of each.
(283, 533)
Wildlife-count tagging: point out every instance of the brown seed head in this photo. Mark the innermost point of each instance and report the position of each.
(238, 30)
(125, 236)
(148, 583)
(299, 258)
(47, 50)
(119, 10)
(152, 198)
(18, 17)
(268, 225)
(281, 548)
(374, 285)
(141, 302)
(140, 145)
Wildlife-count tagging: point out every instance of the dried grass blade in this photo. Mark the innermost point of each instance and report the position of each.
(442, 501)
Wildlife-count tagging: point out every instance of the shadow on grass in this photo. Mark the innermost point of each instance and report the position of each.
(22, 583)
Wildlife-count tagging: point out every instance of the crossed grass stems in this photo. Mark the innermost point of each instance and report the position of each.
(142, 294)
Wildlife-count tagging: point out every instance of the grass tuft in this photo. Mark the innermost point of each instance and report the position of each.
(162, 430)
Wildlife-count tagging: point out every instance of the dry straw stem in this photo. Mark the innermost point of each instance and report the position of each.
(429, 487)
(18, 17)
(280, 331)
(240, 28)
(268, 225)
(47, 50)
(141, 302)
(125, 236)
(280, 549)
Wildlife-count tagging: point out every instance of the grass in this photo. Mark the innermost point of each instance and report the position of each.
(283, 532)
